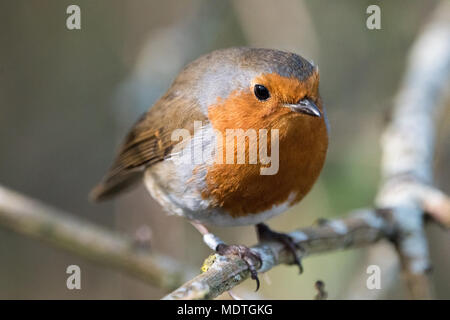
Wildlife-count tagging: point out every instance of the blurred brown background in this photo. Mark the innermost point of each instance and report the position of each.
(67, 97)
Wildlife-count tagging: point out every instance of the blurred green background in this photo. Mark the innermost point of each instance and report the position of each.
(67, 98)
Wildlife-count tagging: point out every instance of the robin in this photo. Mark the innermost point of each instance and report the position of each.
(252, 91)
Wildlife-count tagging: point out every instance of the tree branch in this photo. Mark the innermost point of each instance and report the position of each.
(31, 218)
(360, 228)
(408, 150)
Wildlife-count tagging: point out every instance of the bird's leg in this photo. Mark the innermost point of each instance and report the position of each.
(251, 259)
(265, 234)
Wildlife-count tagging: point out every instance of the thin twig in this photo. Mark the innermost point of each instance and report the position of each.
(321, 293)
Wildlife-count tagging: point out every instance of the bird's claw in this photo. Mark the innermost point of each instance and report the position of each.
(266, 234)
(250, 258)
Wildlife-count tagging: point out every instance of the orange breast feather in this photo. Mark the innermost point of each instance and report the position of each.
(240, 189)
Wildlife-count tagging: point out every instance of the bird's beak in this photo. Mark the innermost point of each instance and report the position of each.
(305, 106)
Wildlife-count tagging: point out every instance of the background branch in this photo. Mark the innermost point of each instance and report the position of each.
(408, 149)
(33, 219)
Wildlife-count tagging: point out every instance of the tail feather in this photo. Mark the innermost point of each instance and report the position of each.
(111, 186)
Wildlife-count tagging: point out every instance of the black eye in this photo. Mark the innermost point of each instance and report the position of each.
(261, 92)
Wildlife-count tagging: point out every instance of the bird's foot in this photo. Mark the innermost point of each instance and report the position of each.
(266, 234)
(252, 259)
